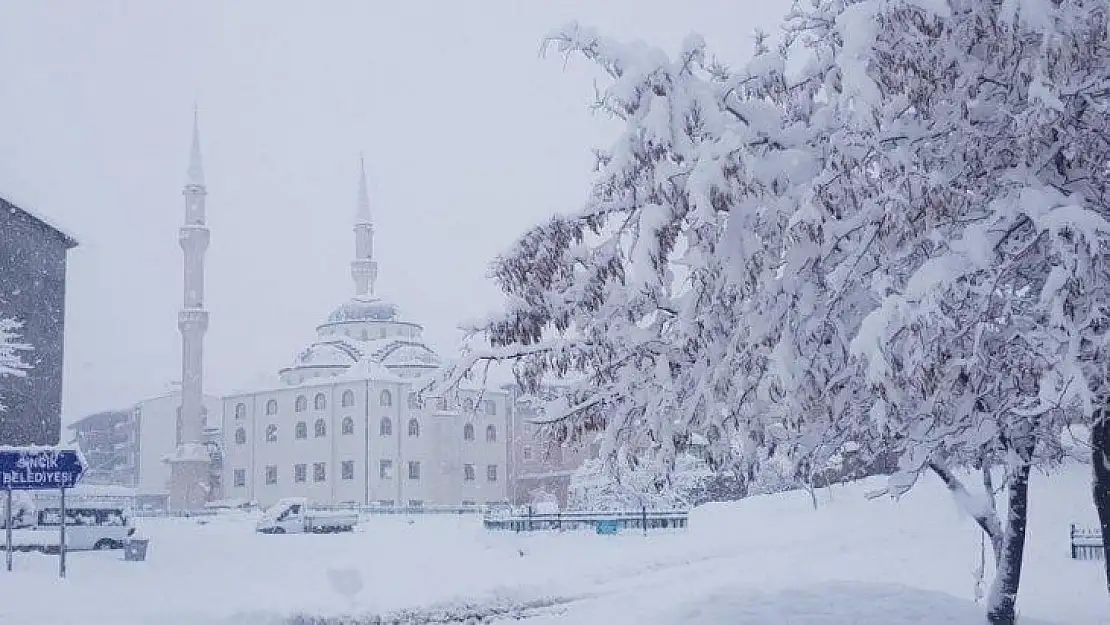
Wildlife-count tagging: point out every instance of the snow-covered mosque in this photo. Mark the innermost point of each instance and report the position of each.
(343, 423)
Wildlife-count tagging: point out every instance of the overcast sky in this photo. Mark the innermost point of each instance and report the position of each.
(469, 137)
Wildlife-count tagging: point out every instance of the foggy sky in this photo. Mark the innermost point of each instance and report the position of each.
(469, 138)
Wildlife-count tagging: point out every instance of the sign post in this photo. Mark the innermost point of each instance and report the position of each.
(40, 468)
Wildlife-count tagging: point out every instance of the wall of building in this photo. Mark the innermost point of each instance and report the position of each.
(32, 289)
(439, 447)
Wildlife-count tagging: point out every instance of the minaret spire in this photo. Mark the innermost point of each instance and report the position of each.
(364, 270)
(189, 464)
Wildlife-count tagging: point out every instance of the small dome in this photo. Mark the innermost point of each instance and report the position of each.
(357, 309)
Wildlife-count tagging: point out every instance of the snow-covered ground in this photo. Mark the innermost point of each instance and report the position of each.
(764, 560)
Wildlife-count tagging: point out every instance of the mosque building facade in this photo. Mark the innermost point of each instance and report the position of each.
(345, 423)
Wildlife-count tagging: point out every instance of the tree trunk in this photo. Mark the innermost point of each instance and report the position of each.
(1100, 486)
(1003, 597)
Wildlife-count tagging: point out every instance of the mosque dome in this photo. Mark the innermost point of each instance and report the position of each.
(359, 309)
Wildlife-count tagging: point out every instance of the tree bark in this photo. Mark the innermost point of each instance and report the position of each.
(1001, 609)
(1100, 485)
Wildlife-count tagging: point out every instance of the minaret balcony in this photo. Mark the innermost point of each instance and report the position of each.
(194, 237)
(192, 318)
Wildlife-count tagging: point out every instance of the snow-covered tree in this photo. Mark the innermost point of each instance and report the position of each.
(599, 485)
(11, 349)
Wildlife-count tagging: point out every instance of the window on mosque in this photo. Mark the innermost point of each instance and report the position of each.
(300, 432)
(414, 427)
(240, 478)
(491, 407)
(527, 451)
(271, 433)
(385, 399)
(468, 432)
(348, 425)
(240, 436)
(300, 404)
(240, 411)
(385, 428)
(319, 472)
(271, 407)
(321, 428)
(414, 470)
(468, 472)
(347, 468)
(348, 399)
(468, 405)
(491, 434)
(271, 474)
(385, 469)
(320, 402)
(300, 472)
(491, 473)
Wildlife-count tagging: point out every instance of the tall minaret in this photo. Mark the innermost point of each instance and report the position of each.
(364, 269)
(189, 464)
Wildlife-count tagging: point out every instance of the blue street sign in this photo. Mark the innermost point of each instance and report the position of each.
(40, 468)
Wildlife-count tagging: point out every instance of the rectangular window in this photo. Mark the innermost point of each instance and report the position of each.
(348, 469)
(387, 503)
(467, 503)
(416, 503)
(300, 472)
(385, 469)
(271, 474)
(414, 470)
(240, 478)
(319, 471)
(491, 408)
(468, 472)
(491, 472)
(527, 453)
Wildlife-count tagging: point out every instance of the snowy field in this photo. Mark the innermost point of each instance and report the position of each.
(764, 560)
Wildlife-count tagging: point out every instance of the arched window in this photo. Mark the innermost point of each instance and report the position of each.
(468, 405)
(240, 436)
(240, 411)
(414, 427)
(385, 428)
(321, 428)
(319, 402)
(300, 404)
(300, 431)
(491, 434)
(271, 407)
(348, 399)
(468, 432)
(386, 399)
(348, 425)
(271, 433)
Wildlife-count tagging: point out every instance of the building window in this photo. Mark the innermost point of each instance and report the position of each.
(468, 503)
(319, 472)
(468, 432)
(385, 399)
(416, 503)
(271, 407)
(300, 472)
(271, 474)
(468, 472)
(348, 399)
(385, 428)
(527, 453)
(240, 436)
(321, 428)
(468, 405)
(348, 425)
(319, 402)
(414, 470)
(300, 431)
(240, 478)
(300, 404)
(491, 473)
(240, 411)
(491, 407)
(347, 469)
(414, 427)
(271, 433)
(491, 434)
(415, 401)
(385, 469)
(385, 503)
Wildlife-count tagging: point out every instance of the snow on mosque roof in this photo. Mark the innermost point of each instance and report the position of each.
(361, 309)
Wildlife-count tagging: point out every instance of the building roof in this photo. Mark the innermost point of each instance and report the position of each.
(67, 237)
(364, 309)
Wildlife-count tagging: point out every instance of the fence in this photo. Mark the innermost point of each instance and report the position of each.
(373, 510)
(1086, 543)
(642, 519)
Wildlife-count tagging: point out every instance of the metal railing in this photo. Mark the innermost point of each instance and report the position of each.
(642, 519)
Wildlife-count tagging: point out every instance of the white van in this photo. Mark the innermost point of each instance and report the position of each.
(88, 526)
